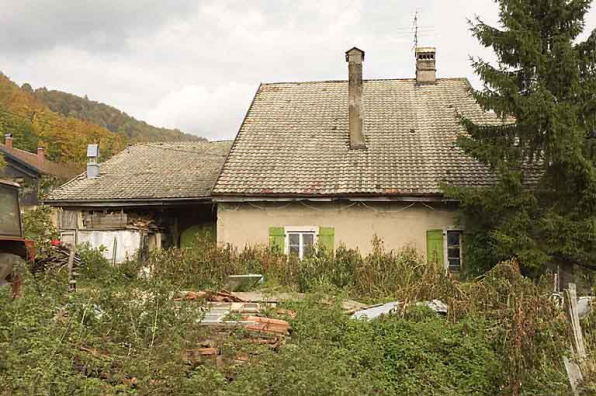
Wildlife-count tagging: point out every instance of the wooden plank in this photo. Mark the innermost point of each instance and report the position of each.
(105, 221)
(578, 339)
(69, 219)
(574, 374)
(72, 283)
(574, 366)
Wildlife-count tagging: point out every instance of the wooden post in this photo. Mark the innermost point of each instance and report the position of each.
(572, 312)
(16, 285)
(574, 374)
(72, 283)
(574, 366)
(114, 251)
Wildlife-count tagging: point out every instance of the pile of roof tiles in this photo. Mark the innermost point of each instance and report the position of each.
(226, 312)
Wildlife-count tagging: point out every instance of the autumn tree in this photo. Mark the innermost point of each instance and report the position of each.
(543, 85)
(33, 124)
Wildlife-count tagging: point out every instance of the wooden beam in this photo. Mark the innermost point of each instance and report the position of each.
(574, 366)
(574, 374)
(571, 307)
(72, 283)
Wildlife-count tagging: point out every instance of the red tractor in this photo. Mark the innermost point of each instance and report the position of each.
(13, 245)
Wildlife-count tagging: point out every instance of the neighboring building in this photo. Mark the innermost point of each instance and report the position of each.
(150, 195)
(342, 161)
(30, 170)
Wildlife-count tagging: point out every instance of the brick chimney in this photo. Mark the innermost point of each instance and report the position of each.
(426, 65)
(355, 57)
(40, 156)
(8, 140)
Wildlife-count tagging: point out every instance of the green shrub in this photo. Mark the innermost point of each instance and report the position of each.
(503, 335)
(333, 355)
(379, 274)
(38, 226)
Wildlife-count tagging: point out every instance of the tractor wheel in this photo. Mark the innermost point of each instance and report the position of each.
(8, 261)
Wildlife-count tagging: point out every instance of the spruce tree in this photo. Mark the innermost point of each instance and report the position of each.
(543, 86)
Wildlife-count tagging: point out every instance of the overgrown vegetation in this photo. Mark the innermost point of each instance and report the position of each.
(122, 332)
(381, 273)
(38, 226)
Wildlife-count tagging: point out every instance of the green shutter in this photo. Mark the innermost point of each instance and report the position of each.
(277, 239)
(434, 247)
(327, 238)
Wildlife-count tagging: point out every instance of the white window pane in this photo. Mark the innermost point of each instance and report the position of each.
(294, 239)
(294, 244)
(308, 241)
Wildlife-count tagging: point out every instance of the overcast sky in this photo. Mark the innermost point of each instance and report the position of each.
(195, 65)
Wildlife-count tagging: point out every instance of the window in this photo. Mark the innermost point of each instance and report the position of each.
(300, 241)
(454, 250)
(10, 220)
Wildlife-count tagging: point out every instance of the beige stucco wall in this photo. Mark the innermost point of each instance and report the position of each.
(397, 223)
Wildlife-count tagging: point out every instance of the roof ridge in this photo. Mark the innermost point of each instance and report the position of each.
(182, 142)
(16, 149)
(364, 80)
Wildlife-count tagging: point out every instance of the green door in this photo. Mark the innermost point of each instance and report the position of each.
(434, 248)
(188, 238)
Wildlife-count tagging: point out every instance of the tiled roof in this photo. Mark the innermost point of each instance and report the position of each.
(47, 167)
(295, 141)
(151, 171)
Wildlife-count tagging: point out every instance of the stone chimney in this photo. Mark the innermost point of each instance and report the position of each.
(92, 161)
(426, 65)
(8, 140)
(40, 156)
(355, 57)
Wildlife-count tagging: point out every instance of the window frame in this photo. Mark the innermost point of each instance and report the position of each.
(300, 230)
(460, 231)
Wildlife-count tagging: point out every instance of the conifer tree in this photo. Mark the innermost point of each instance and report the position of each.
(543, 207)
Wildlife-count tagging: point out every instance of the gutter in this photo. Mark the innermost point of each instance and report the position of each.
(128, 202)
(404, 198)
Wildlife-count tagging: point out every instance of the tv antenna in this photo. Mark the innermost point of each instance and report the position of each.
(415, 29)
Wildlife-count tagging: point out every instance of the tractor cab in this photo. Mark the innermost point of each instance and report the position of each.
(13, 246)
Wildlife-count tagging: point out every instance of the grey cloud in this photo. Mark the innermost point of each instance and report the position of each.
(196, 65)
(27, 26)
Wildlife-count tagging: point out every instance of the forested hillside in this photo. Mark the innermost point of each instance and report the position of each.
(33, 124)
(106, 116)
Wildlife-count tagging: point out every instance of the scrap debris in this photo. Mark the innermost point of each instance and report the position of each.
(144, 222)
(54, 257)
(211, 296)
(226, 312)
(375, 311)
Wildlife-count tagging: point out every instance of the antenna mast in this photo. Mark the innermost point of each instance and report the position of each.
(415, 28)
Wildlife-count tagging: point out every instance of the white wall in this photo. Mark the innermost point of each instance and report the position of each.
(127, 242)
(397, 223)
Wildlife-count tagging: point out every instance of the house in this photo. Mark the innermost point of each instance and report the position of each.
(151, 195)
(338, 162)
(31, 170)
